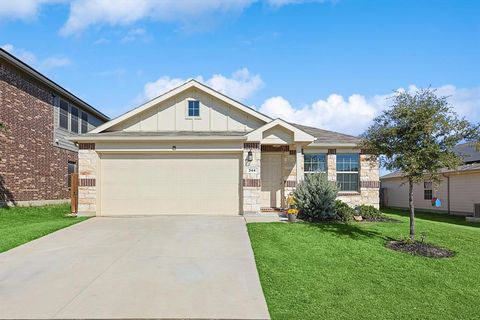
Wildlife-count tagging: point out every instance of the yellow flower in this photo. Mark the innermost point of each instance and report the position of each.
(292, 211)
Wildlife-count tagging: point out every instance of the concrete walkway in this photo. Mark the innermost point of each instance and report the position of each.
(146, 267)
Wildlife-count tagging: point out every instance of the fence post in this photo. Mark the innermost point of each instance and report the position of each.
(74, 193)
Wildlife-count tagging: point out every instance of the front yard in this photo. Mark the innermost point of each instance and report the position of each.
(335, 271)
(23, 224)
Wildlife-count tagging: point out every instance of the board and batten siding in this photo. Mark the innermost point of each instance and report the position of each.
(464, 193)
(60, 134)
(172, 115)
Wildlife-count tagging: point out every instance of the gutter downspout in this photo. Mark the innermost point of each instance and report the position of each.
(448, 192)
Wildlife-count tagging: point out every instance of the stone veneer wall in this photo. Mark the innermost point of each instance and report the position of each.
(290, 171)
(331, 166)
(87, 170)
(251, 179)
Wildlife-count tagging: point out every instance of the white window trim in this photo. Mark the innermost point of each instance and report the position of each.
(315, 153)
(427, 189)
(59, 114)
(81, 121)
(199, 109)
(71, 107)
(356, 172)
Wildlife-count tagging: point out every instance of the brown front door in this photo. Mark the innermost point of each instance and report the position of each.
(272, 182)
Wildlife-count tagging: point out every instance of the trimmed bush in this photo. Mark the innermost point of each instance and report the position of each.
(368, 212)
(315, 197)
(343, 211)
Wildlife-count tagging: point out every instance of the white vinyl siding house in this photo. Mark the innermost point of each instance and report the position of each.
(458, 190)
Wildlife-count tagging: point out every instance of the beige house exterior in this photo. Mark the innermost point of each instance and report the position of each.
(194, 150)
(458, 190)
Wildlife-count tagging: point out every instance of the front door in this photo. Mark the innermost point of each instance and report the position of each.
(272, 182)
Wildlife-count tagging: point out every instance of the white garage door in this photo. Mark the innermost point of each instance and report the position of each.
(141, 184)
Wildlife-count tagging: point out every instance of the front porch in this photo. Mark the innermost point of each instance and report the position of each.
(273, 165)
(270, 176)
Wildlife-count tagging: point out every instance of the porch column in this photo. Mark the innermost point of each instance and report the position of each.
(299, 163)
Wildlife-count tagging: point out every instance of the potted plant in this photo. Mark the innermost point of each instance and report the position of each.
(292, 210)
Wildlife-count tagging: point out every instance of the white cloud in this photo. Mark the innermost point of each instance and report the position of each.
(51, 62)
(101, 41)
(280, 3)
(135, 34)
(22, 54)
(354, 114)
(23, 9)
(84, 13)
(240, 85)
(55, 62)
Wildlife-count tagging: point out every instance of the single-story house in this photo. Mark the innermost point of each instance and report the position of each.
(38, 115)
(458, 190)
(194, 150)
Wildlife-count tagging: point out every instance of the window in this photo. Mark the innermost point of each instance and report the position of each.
(314, 163)
(72, 168)
(63, 121)
(84, 122)
(427, 190)
(193, 108)
(74, 120)
(347, 172)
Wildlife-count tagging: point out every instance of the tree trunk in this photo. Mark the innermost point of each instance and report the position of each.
(412, 210)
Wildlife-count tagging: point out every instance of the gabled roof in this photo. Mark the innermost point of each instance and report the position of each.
(328, 138)
(468, 152)
(187, 85)
(298, 134)
(51, 84)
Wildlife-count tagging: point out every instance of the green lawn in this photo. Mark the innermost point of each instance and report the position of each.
(334, 271)
(23, 224)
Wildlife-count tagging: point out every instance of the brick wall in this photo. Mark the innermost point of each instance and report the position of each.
(31, 167)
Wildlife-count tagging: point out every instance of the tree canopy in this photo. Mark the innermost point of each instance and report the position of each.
(417, 135)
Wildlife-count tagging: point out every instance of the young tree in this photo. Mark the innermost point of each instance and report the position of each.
(416, 135)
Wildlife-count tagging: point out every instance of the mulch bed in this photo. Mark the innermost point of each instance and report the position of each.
(420, 249)
(381, 219)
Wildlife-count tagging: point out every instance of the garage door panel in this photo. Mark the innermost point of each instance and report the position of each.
(170, 184)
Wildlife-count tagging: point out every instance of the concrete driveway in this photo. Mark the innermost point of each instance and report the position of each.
(143, 267)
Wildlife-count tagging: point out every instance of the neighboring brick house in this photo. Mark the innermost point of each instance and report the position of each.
(38, 115)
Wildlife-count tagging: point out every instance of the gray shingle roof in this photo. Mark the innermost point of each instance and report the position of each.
(468, 152)
(462, 168)
(326, 136)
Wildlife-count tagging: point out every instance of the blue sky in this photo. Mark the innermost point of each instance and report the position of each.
(329, 64)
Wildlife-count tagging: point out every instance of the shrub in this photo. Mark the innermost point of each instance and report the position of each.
(315, 197)
(343, 211)
(368, 212)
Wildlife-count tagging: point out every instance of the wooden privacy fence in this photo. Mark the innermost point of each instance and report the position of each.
(74, 192)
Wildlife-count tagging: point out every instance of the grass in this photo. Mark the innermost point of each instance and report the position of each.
(335, 271)
(23, 224)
